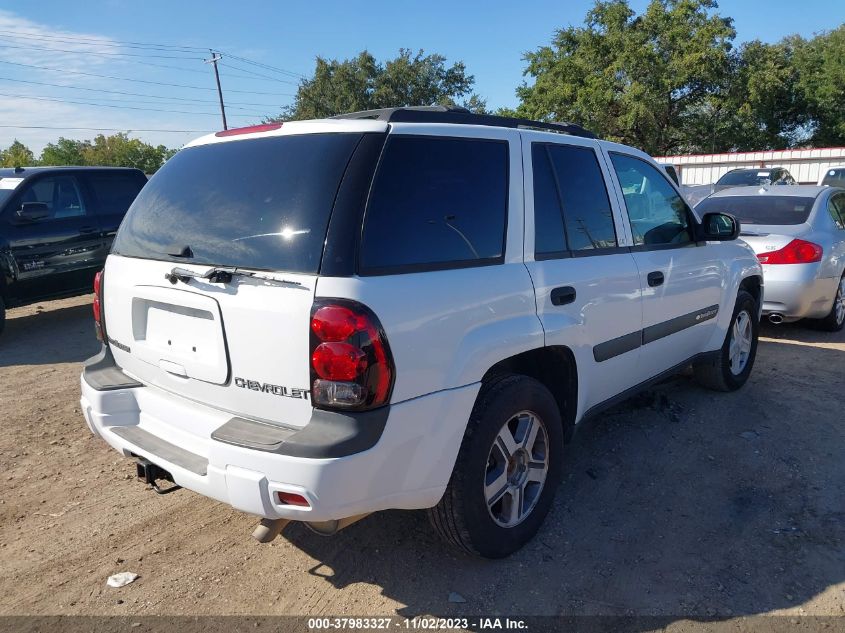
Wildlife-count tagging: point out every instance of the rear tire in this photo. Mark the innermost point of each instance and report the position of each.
(728, 370)
(835, 319)
(495, 502)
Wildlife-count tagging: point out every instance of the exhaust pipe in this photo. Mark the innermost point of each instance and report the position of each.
(330, 528)
(776, 318)
(269, 529)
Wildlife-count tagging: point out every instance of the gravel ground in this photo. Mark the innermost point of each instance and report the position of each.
(680, 503)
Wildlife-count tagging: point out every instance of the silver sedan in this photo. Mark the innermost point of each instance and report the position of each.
(798, 233)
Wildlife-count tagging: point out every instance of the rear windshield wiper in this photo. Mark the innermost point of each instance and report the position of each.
(219, 275)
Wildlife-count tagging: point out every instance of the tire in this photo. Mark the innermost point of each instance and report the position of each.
(835, 319)
(463, 517)
(719, 372)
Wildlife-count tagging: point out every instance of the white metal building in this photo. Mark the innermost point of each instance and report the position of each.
(805, 165)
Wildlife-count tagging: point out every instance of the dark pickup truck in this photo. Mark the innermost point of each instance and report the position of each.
(56, 228)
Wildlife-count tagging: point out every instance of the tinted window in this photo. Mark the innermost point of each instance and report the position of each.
(115, 192)
(549, 238)
(261, 203)
(762, 209)
(658, 214)
(747, 177)
(59, 193)
(586, 207)
(834, 178)
(437, 202)
(836, 206)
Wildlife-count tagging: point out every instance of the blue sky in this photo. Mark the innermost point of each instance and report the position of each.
(88, 37)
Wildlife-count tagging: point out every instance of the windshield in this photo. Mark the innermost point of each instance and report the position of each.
(780, 210)
(746, 177)
(835, 178)
(261, 204)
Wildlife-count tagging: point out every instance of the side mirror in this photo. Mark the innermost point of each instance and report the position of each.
(719, 227)
(33, 211)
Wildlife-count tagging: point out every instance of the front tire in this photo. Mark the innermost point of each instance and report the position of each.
(835, 320)
(507, 470)
(729, 369)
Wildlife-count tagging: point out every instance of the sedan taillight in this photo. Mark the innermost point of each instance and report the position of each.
(796, 252)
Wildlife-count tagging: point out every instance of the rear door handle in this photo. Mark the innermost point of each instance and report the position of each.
(563, 295)
(655, 279)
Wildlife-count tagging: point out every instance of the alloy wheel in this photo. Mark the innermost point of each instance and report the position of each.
(741, 339)
(517, 467)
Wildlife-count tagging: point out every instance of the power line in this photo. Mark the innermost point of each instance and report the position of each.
(140, 94)
(246, 70)
(100, 42)
(122, 107)
(102, 129)
(150, 46)
(47, 49)
(143, 81)
(97, 53)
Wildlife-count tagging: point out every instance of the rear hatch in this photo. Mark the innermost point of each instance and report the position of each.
(256, 210)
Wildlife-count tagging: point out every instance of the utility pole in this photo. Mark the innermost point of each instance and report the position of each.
(216, 57)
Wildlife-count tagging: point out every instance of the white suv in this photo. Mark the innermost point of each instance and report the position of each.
(403, 308)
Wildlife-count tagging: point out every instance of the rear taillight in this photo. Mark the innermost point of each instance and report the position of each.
(98, 306)
(351, 364)
(796, 252)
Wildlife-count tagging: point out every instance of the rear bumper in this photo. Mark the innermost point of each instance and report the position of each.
(407, 465)
(795, 291)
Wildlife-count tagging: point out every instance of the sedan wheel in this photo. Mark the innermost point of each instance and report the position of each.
(839, 303)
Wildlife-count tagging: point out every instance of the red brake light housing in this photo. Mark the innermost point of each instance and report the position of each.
(99, 327)
(351, 364)
(796, 252)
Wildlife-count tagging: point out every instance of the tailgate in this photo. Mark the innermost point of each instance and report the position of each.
(241, 347)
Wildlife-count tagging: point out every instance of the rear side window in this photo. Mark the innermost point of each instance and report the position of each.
(115, 192)
(761, 209)
(260, 203)
(436, 203)
(836, 207)
(577, 193)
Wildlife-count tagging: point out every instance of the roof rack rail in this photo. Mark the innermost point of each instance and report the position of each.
(459, 115)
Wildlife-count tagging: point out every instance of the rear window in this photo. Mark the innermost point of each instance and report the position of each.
(834, 178)
(436, 203)
(749, 178)
(778, 210)
(260, 203)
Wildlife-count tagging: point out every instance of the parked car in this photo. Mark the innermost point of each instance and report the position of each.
(833, 177)
(56, 228)
(403, 308)
(752, 177)
(798, 234)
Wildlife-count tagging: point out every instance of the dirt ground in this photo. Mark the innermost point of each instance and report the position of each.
(680, 502)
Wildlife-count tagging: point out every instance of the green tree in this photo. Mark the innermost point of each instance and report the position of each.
(65, 151)
(118, 150)
(643, 79)
(16, 155)
(362, 83)
(820, 66)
